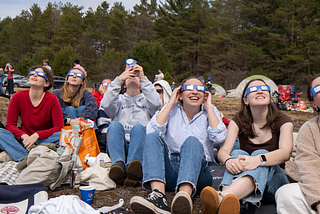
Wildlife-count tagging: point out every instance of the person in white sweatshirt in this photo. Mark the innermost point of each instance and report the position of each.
(130, 112)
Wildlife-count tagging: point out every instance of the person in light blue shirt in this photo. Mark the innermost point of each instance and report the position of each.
(178, 149)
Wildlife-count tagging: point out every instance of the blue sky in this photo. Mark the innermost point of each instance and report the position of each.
(13, 8)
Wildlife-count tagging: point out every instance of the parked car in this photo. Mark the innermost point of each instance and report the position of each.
(18, 81)
(58, 82)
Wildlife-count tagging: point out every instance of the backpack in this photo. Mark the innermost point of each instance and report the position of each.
(46, 166)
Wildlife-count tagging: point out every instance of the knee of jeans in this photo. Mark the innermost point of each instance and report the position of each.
(194, 144)
(259, 151)
(115, 125)
(139, 127)
(235, 153)
(153, 138)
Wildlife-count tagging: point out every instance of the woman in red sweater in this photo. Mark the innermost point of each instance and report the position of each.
(40, 113)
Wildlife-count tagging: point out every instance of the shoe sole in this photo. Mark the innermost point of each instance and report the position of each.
(210, 200)
(134, 173)
(140, 205)
(229, 205)
(181, 205)
(117, 174)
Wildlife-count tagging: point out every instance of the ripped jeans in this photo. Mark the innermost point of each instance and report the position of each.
(268, 179)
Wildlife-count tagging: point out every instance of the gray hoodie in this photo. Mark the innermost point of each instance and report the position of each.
(128, 110)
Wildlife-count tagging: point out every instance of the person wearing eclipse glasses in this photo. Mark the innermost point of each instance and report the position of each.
(252, 173)
(303, 197)
(40, 114)
(76, 102)
(178, 149)
(98, 94)
(130, 112)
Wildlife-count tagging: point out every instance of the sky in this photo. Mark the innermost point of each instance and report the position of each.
(13, 8)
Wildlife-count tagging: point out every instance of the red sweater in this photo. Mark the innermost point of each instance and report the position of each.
(97, 96)
(45, 119)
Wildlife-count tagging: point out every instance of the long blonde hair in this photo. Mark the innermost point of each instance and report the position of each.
(66, 93)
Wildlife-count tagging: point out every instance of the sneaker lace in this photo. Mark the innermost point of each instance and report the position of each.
(154, 195)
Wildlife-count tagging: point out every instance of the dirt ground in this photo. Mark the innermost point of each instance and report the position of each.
(228, 106)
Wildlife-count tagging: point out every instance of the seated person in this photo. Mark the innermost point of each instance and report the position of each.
(178, 149)
(252, 173)
(304, 197)
(130, 112)
(74, 99)
(98, 94)
(164, 90)
(40, 114)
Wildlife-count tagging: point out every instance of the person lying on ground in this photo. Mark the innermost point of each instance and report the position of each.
(178, 149)
(130, 112)
(303, 197)
(40, 114)
(76, 102)
(252, 173)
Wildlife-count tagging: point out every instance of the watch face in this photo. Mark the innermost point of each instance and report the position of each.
(264, 159)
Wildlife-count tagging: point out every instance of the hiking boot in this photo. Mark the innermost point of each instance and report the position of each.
(4, 157)
(154, 204)
(229, 204)
(117, 173)
(210, 200)
(182, 203)
(134, 173)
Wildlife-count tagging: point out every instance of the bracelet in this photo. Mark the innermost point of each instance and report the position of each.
(227, 160)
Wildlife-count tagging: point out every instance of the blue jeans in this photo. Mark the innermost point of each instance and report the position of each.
(189, 166)
(121, 150)
(267, 179)
(1, 89)
(72, 112)
(15, 149)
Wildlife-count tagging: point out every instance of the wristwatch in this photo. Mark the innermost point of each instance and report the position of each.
(263, 160)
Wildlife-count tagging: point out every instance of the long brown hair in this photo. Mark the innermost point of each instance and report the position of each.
(245, 119)
(66, 94)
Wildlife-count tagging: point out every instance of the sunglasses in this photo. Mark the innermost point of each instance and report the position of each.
(256, 88)
(192, 87)
(314, 91)
(160, 91)
(105, 84)
(75, 74)
(39, 73)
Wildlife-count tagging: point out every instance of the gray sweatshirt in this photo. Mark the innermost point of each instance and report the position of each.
(128, 110)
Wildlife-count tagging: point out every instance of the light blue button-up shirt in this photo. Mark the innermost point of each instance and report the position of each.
(177, 129)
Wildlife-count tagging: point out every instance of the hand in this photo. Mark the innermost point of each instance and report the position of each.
(207, 100)
(74, 121)
(101, 90)
(29, 141)
(175, 96)
(129, 73)
(138, 70)
(234, 166)
(249, 162)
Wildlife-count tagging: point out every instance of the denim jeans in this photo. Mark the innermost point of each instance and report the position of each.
(10, 86)
(189, 166)
(72, 112)
(15, 149)
(267, 179)
(1, 89)
(121, 150)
